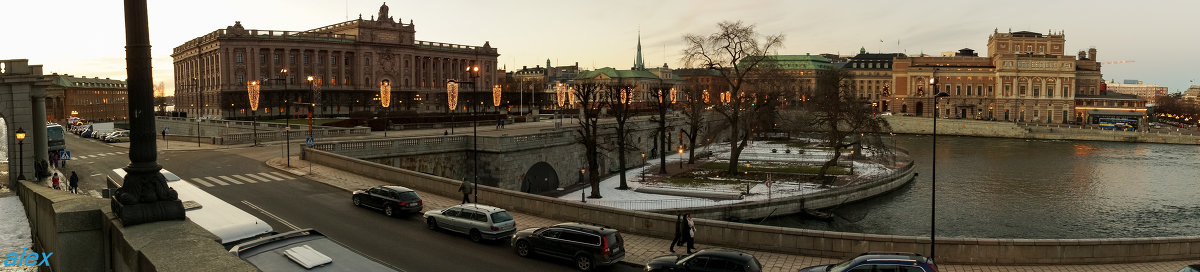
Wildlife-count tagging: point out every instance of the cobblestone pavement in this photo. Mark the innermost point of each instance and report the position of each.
(640, 249)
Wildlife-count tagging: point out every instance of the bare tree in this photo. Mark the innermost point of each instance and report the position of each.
(619, 97)
(845, 119)
(694, 105)
(660, 102)
(735, 50)
(588, 96)
(160, 97)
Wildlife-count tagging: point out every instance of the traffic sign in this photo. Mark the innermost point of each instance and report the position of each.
(64, 155)
(308, 141)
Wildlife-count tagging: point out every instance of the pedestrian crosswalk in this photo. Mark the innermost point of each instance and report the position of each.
(80, 157)
(239, 179)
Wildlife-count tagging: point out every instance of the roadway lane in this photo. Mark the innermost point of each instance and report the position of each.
(403, 242)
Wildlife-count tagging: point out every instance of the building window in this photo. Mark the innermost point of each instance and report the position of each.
(333, 80)
(319, 61)
(367, 61)
(241, 79)
(262, 58)
(1036, 92)
(332, 60)
(957, 90)
(1066, 91)
(239, 57)
(305, 59)
(1007, 64)
(291, 59)
(1022, 91)
(275, 58)
(969, 93)
(346, 60)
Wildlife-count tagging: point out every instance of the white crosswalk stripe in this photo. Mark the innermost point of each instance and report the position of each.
(248, 180)
(258, 177)
(201, 182)
(231, 180)
(270, 176)
(282, 175)
(219, 182)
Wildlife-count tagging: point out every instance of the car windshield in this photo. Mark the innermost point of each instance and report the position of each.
(501, 216)
(841, 266)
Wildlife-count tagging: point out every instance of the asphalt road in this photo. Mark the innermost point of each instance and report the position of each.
(403, 242)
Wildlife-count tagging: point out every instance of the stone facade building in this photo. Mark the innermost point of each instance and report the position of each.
(91, 99)
(872, 77)
(348, 62)
(1026, 77)
(1143, 91)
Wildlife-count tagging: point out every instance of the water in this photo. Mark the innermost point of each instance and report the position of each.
(1016, 188)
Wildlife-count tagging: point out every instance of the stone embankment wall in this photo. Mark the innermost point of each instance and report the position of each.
(85, 235)
(226, 132)
(961, 127)
(790, 240)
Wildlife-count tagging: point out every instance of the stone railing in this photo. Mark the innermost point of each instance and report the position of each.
(85, 235)
(230, 132)
(790, 240)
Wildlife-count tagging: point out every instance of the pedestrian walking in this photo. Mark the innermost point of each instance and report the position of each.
(73, 182)
(691, 233)
(678, 240)
(499, 122)
(466, 191)
(55, 182)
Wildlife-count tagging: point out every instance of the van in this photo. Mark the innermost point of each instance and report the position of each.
(230, 224)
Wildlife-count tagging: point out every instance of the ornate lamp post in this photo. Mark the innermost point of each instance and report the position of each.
(933, 184)
(21, 144)
(561, 90)
(252, 90)
(496, 95)
(385, 100)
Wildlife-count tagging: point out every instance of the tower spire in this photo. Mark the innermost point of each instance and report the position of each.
(639, 65)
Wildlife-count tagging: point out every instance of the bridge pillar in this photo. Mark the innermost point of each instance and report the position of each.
(19, 84)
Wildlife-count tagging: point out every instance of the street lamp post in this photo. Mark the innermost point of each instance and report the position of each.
(385, 100)
(475, 128)
(252, 90)
(933, 184)
(21, 155)
(643, 167)
(199, 113)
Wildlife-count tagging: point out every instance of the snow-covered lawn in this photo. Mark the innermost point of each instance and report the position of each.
(630, 199)
(14, 228)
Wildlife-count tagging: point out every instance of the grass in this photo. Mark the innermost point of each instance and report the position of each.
(790, 169)
(316, 121)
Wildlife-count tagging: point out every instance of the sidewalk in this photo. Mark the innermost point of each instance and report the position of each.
(641, 249)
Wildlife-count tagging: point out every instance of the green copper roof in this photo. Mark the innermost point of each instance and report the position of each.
(84, 82)
(614, 73)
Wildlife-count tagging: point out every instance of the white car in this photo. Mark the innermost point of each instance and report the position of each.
(480, 222)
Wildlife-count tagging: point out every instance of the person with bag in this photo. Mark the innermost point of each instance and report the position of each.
(691, 233)
(55, 180)
(678, 240)
(73, 182)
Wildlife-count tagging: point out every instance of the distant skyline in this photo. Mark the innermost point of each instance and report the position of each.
(86, 38)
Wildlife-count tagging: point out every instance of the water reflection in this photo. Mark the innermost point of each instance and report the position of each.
(1015, 188)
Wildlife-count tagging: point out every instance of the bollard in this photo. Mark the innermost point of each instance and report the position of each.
(582, 197)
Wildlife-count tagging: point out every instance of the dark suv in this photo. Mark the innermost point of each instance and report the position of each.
(708, 260)
(392, 200)
(879, 262)
(587, 245)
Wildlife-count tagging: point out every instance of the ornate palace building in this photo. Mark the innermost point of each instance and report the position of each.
(346, 63)
(1026, 77)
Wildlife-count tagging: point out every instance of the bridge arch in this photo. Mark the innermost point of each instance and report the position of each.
(541, 177)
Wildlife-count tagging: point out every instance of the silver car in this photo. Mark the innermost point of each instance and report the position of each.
(480, 222)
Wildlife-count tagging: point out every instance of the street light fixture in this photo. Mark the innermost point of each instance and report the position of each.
(643, 167)
(933, 184)
(252, 90)
(385, 100)
(21, 144)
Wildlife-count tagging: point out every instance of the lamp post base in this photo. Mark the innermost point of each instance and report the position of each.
(145, 198)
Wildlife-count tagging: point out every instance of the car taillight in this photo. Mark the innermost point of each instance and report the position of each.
(420, 201)
(604, 245)
(495, 228)
(402, 203)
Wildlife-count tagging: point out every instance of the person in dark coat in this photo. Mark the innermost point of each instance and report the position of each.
(678, 240)
(74, 183)
(466, 191)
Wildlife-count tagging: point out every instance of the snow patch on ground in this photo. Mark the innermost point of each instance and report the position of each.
(14, 228)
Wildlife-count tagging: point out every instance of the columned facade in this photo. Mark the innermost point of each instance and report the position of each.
(347, 62)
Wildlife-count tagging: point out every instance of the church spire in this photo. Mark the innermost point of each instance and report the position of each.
(639, 65)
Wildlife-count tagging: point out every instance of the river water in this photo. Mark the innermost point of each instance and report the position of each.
(1016, 188)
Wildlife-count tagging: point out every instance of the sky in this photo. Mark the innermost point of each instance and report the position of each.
(86, 37)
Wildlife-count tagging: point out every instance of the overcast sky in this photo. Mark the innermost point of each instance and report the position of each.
(87, 37)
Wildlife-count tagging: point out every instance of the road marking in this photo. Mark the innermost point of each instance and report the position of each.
(231, 180)
(271, 215)
(201, 182)
(282, 175)
(258, 177)
(219, 182)
(249, 180)
(270, 176)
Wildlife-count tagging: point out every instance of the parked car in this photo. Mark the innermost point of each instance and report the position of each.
(587, 245)
(708, 260)
(1191, 268)
(117, 136)
(304, 250)
(480, 222)
(879, 261)
(393, 200)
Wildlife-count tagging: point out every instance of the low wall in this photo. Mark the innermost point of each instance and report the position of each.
(791, 240)
(962, 127)
(85, 235)
(229, 132)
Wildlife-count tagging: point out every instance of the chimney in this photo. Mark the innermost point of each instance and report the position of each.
(1092, 54)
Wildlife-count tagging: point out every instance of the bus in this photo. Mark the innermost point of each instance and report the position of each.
(230, 224)
(54, 137)
(1117, 124)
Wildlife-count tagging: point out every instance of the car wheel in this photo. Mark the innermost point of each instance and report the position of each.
(476, 236)
(357, 202)
(583, 262)
(523, 248)
(431, 223)
(388, 211)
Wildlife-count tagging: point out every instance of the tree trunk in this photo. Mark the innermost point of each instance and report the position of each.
(593, 169)
(692, 147)
(734, 151)
(621, 153)
(662, 146)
